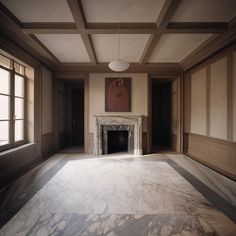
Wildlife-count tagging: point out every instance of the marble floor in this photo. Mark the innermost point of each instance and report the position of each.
(158, 194)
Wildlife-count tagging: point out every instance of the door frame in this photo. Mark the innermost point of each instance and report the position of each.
(85, 79)
(70, 80)
(179, 110)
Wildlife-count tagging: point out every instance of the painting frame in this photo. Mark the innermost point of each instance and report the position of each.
(118, 94)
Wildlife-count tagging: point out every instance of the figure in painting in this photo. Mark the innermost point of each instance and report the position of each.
(117, 97)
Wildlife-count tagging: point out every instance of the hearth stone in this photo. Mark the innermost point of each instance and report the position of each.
(133, 124)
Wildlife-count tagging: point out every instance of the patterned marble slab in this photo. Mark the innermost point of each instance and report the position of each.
(117, 197)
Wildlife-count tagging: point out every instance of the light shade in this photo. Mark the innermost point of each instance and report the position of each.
(118, 65)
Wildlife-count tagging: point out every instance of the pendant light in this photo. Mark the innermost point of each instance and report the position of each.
(119, 64)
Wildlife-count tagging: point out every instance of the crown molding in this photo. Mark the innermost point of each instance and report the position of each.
(12, 30)
(209, 48)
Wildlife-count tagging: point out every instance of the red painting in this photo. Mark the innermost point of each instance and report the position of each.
(118, 95)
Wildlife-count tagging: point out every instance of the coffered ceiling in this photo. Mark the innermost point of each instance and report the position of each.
(175, 47)
(152, 32)
(131, 46)
(111, 11)
(40, 10)
(66, 47)
(205, 11)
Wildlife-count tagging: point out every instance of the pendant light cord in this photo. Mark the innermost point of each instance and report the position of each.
(119, 41)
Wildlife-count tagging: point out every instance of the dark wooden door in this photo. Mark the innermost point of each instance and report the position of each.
(161, 114)
(77, 116)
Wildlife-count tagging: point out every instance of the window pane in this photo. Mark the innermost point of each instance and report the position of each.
(4, 61)
(4, 132)
(19, 130)
(4, 107)
(19, 108)
(19, 86)
(19, 68)
(4, 81)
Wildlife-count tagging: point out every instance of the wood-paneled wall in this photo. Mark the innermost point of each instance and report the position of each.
(210, 112)
(39, 137)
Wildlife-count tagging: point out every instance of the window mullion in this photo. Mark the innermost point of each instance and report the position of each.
(12, 108)
(25, 107)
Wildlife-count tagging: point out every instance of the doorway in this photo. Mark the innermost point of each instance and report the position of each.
(161, 115)
(77, 117)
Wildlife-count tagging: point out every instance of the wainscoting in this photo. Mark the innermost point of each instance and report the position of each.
(47, 145)
(16, 161)
(215, 153)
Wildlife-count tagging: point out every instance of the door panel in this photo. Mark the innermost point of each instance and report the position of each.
(77, 116)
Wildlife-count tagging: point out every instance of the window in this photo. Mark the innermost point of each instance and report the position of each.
(12, 103)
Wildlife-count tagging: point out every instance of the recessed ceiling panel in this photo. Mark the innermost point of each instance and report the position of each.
(205, 11)
(122, 10)
(40, 10)
(131, 46)
(67, 48)
(175, 47)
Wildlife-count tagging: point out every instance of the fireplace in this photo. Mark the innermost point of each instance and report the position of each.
(128, 127)
(117, 130)
(117, 141)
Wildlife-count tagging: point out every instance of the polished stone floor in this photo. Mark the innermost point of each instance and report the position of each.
(158, 194)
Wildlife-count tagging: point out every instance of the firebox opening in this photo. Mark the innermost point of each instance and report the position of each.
(117, 141)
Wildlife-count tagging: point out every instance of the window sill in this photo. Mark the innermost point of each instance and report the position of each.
(8, 151)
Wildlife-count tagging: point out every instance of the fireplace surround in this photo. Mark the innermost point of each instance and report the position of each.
(103, 124)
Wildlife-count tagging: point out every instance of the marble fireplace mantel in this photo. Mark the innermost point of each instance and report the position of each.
(133, 123)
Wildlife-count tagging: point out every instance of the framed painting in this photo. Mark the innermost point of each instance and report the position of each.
(118, 94)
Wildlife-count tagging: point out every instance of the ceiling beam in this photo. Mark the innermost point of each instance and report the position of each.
(162, 69)
(125, 28)
(49, 28)
(92, 28)
(163, 19)
(232, 23)
(166, 13)
(78, 15)
(150, 45)
(195, 28)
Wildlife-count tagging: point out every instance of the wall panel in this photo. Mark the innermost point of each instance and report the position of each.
(47, 115)
(218, 99)
(187, 102)
(234, 96)
(198, 102)
(217, 147)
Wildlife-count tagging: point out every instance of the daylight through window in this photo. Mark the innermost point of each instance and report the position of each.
(12, 103)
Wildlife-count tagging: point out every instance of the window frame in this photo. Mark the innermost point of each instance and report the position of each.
(12, 143)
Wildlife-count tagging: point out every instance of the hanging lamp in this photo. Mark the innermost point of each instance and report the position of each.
(119, 64)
